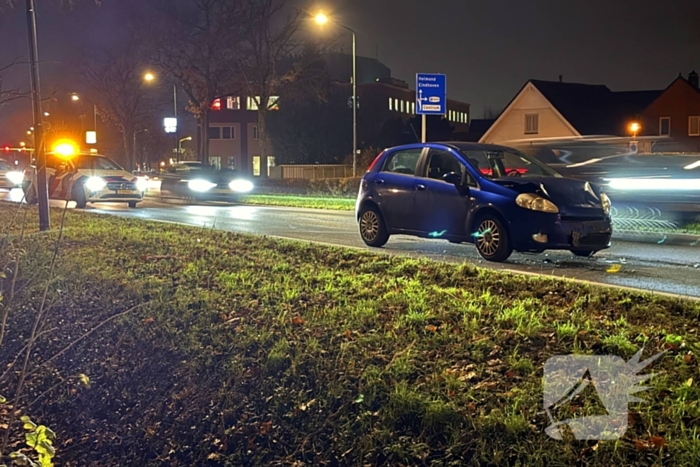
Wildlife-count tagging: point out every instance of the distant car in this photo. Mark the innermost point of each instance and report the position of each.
(196, 181)
(9, 176)
(493, 196)
(86, 178)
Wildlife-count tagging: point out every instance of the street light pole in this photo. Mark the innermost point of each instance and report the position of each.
(39, 143)
(354, 105)
(177, 123)
(322, 19)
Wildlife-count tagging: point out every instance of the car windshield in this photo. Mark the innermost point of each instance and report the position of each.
(4, 166)
(96, 163)
(494, 164)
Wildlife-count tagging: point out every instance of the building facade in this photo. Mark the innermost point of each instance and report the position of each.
(675, 114)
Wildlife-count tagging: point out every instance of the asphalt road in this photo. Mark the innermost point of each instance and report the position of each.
(658, 268)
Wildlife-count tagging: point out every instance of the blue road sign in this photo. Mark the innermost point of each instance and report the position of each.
(431, 94)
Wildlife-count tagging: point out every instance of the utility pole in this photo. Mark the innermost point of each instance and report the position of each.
(177, 124)
(39, 141)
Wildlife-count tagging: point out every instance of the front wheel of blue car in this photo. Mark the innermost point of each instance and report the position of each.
(492, 240)
(372, 228)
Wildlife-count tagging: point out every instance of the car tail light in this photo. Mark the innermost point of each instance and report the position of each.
(374, 161)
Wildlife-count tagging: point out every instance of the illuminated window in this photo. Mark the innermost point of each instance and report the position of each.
(391, 104)
(402, 106)
(532, 124)
(233, 103)
(273, 103)
(256, 166)
(396, 104)
(694, 126)
(665, 126)
(255, 132)
(216, 105)
(252, 103)
(413, 107)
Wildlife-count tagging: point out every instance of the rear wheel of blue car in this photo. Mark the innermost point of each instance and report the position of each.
(492, 240)
(372, 228)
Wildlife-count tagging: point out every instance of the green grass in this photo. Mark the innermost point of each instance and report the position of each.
(310, 202)
(255, 351)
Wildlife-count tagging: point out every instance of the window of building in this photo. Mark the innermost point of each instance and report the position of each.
(694, 126)
(255, 132)
(403, 162)
(215, 161)
(228, 132)
(256, 166)
(532, 124)
(396, 104)
(391, 105)
(214, 132)
(401, 104)
(252, 103)
(270, 164)
(665, 126)
(413, 107)
(216, 105)
(273, 103)
(233, 103)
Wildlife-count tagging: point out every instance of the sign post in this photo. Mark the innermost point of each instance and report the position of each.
(431, 97)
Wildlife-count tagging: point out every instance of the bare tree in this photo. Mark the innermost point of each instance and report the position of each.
(270, 40)
(115, 78)
(10, 94)
(193, 42)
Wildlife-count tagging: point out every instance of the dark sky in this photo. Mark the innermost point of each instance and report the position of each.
(488, 49)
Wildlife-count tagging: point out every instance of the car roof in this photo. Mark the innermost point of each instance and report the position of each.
(460, 146)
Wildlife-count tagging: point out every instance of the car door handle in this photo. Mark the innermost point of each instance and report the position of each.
(421, 187)
(379, 181)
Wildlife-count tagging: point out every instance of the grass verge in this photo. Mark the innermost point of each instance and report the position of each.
(311, 202)
(254, 351)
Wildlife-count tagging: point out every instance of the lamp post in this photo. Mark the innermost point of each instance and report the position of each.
(322, 19)
(40, 150)
(179, 145)
(75, 98)
(150, 77)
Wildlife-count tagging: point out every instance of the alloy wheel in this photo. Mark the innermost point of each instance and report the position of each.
(488, 237)
(369, 225)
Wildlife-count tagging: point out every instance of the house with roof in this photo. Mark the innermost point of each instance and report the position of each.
(559, 110)
(675, 114)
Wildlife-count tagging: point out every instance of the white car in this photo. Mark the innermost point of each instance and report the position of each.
(87, 178)
(10, 177)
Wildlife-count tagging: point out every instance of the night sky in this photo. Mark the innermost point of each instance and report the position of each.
(488, 49)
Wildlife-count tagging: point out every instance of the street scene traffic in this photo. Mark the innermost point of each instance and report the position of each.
(267, 233)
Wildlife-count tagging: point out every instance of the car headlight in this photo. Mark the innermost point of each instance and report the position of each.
(142, 183)
(15, 177)
(607, 205)
(536, 203)
(241, 186)
(95, 184)
(200, 185)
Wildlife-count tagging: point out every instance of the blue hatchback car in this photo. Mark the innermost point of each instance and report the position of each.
(493, 196)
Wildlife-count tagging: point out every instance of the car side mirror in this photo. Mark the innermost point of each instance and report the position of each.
(454, 178)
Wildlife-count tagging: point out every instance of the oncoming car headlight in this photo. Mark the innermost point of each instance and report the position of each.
(200, 185)
(142, 183)
(15, 177)
(241, 186)
(95, 184)
(607, 205)
(536, 203)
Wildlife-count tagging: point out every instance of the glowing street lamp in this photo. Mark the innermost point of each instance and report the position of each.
(150, 77)
(634, 128)
(321, 19)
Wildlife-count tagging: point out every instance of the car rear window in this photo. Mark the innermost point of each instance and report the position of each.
(403, 162)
